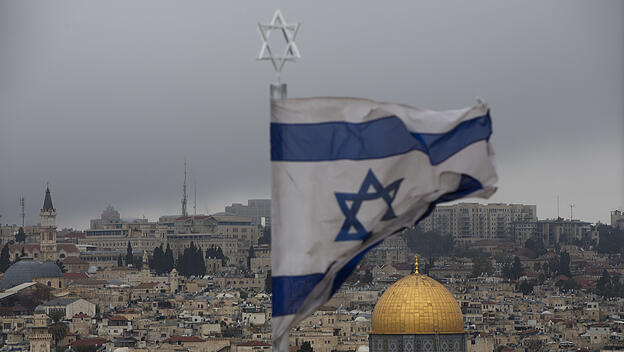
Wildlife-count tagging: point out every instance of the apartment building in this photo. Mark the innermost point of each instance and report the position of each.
(469, 222)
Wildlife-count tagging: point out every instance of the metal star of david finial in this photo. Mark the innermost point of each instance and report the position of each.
(289, 31)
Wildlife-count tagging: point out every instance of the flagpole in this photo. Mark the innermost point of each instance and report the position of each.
(278, 90)
(281, 344)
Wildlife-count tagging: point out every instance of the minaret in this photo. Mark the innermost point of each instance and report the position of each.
(47, 243)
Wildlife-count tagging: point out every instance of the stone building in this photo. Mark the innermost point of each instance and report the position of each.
(47, 249)
(469, 222)
(40, 340)
(27, 270)
(70, 307)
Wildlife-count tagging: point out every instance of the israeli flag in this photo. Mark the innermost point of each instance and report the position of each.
(348, 173)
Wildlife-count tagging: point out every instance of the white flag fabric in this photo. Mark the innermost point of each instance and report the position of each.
(348, 173)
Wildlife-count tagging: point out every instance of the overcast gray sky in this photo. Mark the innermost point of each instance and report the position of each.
(104, 99)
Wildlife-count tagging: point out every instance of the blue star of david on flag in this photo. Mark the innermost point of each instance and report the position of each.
(350, 204)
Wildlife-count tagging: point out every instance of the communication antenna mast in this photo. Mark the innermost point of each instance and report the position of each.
(195, 197)
(23, 213)
(184, 213)
(571, 212)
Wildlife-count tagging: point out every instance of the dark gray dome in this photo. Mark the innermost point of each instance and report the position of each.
(26, 270)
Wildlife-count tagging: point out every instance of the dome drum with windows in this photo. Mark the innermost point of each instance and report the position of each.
(417, 314)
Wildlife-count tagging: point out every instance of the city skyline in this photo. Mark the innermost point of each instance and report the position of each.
(106, 110)
(248, 202)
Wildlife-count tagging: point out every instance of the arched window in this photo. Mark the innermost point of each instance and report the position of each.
(49, 284)
(59, 284)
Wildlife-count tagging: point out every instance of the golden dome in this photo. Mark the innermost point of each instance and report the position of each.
(417, 305)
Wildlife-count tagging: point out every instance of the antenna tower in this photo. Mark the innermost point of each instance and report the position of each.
(23, 213)
(195, 197)
(184, 213)
(571, 212)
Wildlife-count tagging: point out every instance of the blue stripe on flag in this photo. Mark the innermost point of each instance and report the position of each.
(380, 138)
(289, 292)
(467, 185)
(346, 270)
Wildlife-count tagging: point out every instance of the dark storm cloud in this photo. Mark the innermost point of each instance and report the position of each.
(104, 99)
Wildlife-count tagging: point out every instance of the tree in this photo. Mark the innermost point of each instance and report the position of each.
(428, 244)
(534, 345)
(604, 285)
(252, 254)
(56, 315)
(430, 264)
(216, 252)
(179, 264)
(367, 278)
(516, 269)
(201, 263)
(129, 256)
(5, 258)
(222, 256)
(119, 261)
(20, 236)
(266, 236)
(162, 260)
(305, 347)
(609, 286)
(536, 245)
(169, 262)
(611, 239)
(157, 263)
(267, 283)
(88, 348)
(569, 285)
(481, 265)
(552, 267)
(61, 266)
(138, 262)
(526, 286)
(192, 263)
(58, 331)
(506, 270)
(564, 264)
